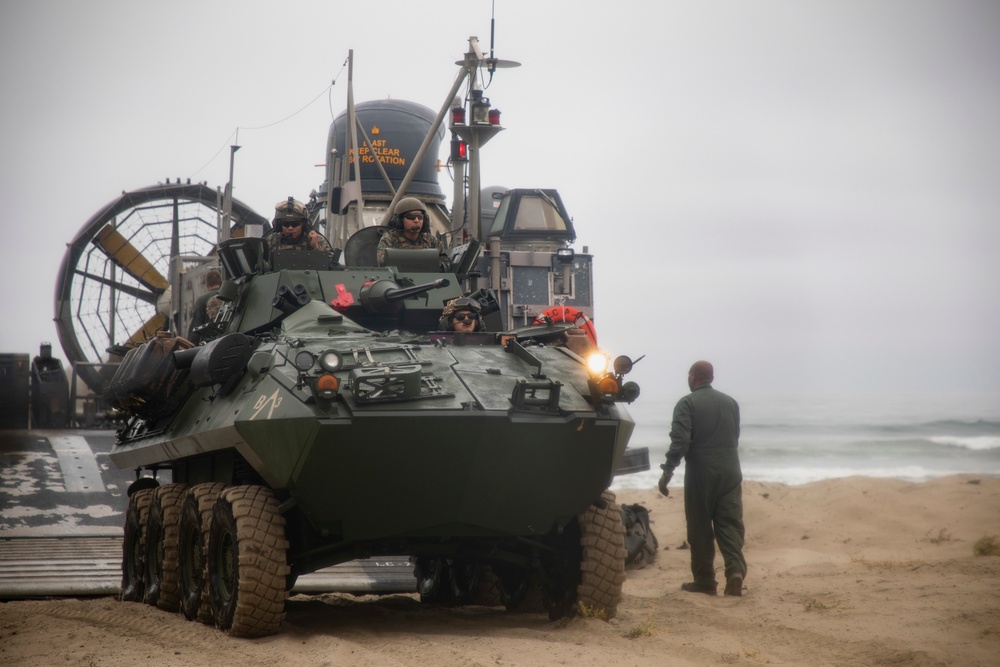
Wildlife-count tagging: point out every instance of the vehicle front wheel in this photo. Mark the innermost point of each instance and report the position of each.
(589, 580)
(247, 562)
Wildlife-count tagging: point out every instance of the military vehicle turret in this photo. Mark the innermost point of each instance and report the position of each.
(326, 419)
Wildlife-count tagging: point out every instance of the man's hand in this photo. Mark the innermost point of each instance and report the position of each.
(668, 474)
(314, 240)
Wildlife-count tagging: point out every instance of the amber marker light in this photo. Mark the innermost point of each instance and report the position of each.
(607, 385)
(327, 385)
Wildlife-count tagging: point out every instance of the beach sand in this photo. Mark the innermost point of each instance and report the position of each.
(857, 571)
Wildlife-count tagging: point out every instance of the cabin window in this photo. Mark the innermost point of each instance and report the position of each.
(533, 214)
(538, 214)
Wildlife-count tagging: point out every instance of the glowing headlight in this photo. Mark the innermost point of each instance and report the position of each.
(597, 363)
(331, 361)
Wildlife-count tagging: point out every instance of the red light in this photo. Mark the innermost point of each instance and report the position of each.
(458, 116)
(459, 151)
(494, 116)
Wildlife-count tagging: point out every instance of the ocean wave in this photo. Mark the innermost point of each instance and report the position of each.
(976, 443)
(795, 475)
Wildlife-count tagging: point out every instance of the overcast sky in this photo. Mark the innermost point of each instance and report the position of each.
(805, 193)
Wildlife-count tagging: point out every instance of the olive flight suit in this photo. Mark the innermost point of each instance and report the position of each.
(705, 433)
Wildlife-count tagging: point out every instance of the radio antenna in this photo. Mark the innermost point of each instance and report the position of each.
(491, 63)
(493, 22)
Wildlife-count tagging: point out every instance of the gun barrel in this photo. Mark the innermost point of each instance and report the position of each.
(403, 292)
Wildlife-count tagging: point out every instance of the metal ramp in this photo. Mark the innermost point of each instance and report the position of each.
(61, 514)
(90, 565)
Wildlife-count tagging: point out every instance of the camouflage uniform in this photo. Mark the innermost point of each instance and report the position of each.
(292, 210)
(394, 238)
(276, 241)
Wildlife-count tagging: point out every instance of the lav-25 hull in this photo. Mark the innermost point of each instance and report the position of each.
(300, 437)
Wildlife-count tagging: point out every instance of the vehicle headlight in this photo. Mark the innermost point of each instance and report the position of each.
(331, 361)
(597, 363)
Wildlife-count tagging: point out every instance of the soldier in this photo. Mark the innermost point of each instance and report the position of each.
(292, 229)
(201, 315)
(705, 432)
(462, 314)
(408, 228)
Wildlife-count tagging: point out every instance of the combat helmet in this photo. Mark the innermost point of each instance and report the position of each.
(462, 303)
(405, 205)
(291, 209)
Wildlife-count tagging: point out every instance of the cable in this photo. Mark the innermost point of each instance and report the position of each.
(236, 132)
(221, 148)
(278, 122)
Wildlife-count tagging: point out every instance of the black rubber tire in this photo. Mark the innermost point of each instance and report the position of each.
(162, 530)
(465, 578)
(247, 562)
(516, 590)
(487, 590)
(133, 547)
(433, 580)
(192, 547)
(590, 580)
(602, 568)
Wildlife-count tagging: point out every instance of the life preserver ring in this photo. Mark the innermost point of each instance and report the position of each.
(571, 315)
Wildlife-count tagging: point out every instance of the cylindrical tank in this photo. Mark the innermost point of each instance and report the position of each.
(396, 129)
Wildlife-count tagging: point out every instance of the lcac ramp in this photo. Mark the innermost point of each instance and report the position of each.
(61, 513)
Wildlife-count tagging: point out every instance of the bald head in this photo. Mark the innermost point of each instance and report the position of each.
(701, 373)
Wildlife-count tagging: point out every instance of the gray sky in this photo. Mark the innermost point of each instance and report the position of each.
(807, 194)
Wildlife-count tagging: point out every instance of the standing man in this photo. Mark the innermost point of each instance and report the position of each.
(705, 433)
(410, 228)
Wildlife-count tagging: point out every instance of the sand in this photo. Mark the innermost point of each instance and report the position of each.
(856, 571)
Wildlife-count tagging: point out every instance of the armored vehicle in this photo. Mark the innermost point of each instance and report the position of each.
(327, 419)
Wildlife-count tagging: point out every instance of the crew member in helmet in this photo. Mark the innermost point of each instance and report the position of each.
(292, 230)
(463, 314)
(409, 228)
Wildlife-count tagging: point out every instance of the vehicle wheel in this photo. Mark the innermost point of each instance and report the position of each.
(593, 585)
(432, 580)
(486, 592)
(516, 590)
(162, 529)
(247, 562)
(133, 547)
(196, 517)
(465, 580)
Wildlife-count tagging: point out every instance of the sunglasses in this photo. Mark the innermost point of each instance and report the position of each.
(291, 223)
(413, 216)
(462, 317)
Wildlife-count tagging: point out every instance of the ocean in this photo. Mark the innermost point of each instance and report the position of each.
(806, 438)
